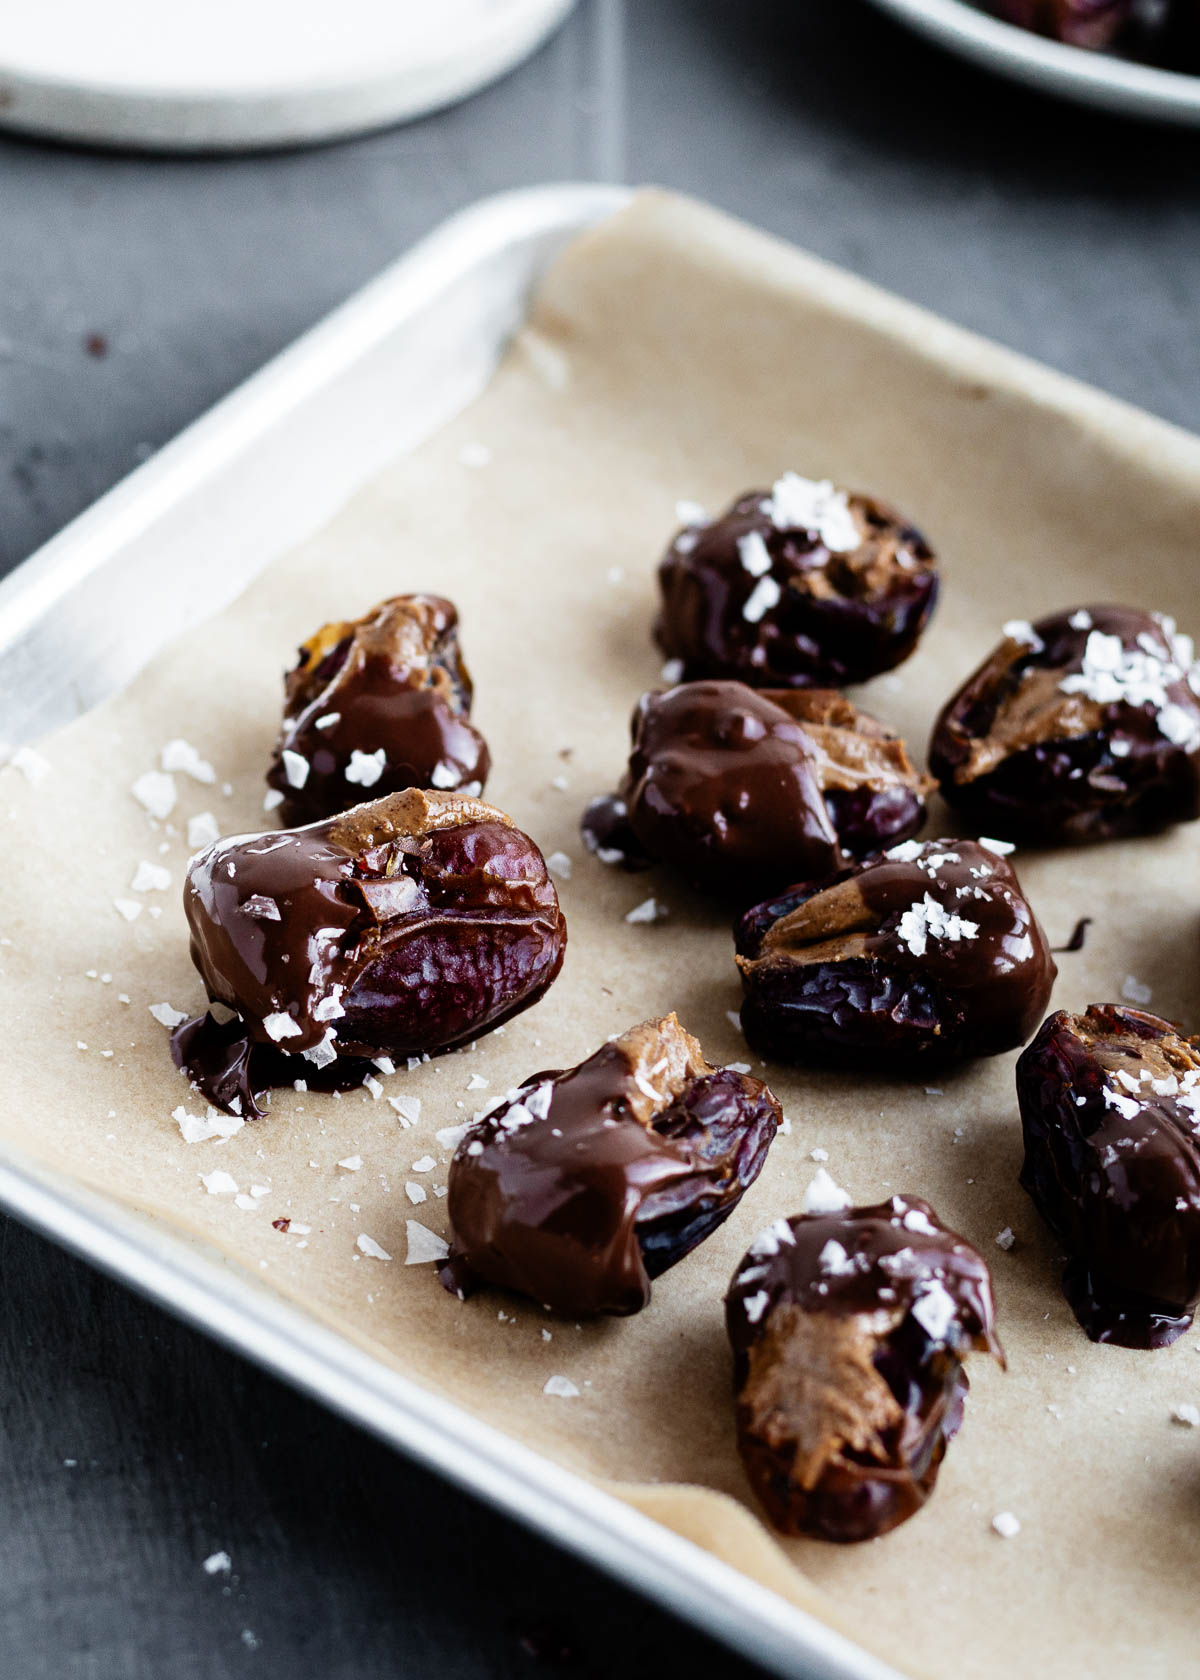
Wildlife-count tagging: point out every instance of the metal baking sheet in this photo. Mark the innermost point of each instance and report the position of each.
(78, 620)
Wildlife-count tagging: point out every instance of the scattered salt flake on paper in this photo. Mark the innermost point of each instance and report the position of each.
(649, 910)
(258, 1191)
(220, 1563)
(416, 1193)
(476, 1083)
(352, 1163)
(272, 799)
(1187, 1414)
(672, 671)
(425, 1164)
(385, 1064)
(370, 1083)
(424, 1245)
(561, 1387)
(823, 1195)
(1005, 1239)
(408, 1109)
(1001, 848)
(167, 1016)
(155, 790)
(819, 1154)
(219, 1183)
(150, 877)
(202, 830)
(127, 907)
(690, 513)
(182, 755)
(365, 769)
(32, 765)
(368, 1246)
(450, 1137)
(280, 1025)
(558, 863)
(246, 1203)
(1006, 1525)
(196, 1128)
(734, 1019)
(1135, 990)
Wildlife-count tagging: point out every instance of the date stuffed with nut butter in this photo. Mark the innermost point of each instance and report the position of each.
(1078, 23)
(740, 790)
(1083, 726)
(849, 1329)
(926, 955)
(374, 706)
(800, 585)
(585, 1184)
(1110, 1108)
(400, 928)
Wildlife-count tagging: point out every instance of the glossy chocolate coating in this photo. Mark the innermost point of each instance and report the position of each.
(925, 955)
(1110, 1108)
(392, 681)
(1023, 757)
(584, 1185)
(400, 928)
(849, 1331)
(740, 789)
(1078, 23)
(830, 618)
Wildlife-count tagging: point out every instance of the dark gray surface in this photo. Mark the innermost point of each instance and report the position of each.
(1069, 235)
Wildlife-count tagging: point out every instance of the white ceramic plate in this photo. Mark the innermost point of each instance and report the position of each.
(203, 75)
(1093, 78)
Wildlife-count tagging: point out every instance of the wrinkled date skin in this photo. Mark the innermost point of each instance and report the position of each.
(1080, 23)
(1109, 1102)
(1083, 726)
(401, 928)
(849, 1331)
(926, 955)
(392, 682)
(738, 789)
(761, 595)
(585, 1184)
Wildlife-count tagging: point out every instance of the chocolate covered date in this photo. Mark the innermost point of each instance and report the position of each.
(800, 585)
(1083, 726)
(399, 928)
(849, 1329)
(1110, 1109)
(740, 790)
(925, 955)
(1079, 23)
(584, 1184)
(374, 706)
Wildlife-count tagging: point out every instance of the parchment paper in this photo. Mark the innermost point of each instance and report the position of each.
(671, 354)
